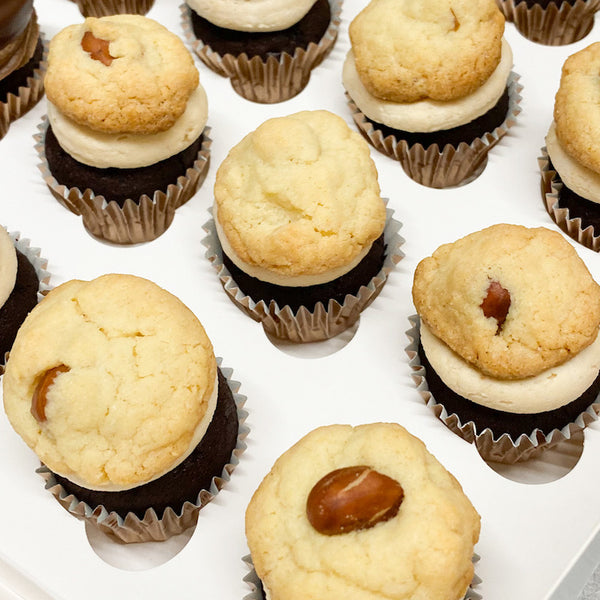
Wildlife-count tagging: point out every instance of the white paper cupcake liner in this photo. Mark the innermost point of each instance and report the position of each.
(502, 449)
(273, 80)
(103, 8)
(451, 166)
(257, 592)
(323, 322)
(26, 98)
(555, 25)
(152, 528)
(135, 222)
(550, 194)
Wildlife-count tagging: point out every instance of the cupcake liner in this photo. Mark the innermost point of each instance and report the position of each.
(306, 326)
(550, 188)
(33, 255)
(555, 25)
(26, 98)
(103, 8)
(257, 591)
(135, 222)
(273, 80)
(503, 449)
(152, 528)
(451, 166)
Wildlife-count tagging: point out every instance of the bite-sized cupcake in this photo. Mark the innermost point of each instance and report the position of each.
(114, 384)
(508, 353)
(126, 141)
(439, 118)
(267, 48)
(570, 161)
(299, 236)
(551, 22)
(365, 513)
(104, 8)
(21, 60)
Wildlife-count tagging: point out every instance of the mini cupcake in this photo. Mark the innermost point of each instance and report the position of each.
(551, 22)
(267, 48)
(508, 355)
(438, 118)
(570, 161)
(345, 511)
(21, 56)
(114, 385)
(126, 142)
(104, 8)
(299, 236)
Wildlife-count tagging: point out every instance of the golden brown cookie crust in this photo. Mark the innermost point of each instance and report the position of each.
(576, 107)
(145, 87)
(141, 371)
(407, 51)
(300, 195)
(423, 552)
(554, 307)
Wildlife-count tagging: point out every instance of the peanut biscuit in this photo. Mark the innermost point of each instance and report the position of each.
(423, 552)
(510, 300)
(109, 381)
(300, 195)
(410, 50)
(134, 76)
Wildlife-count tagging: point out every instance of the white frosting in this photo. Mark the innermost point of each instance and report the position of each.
(130, 150)
(575, 176)
(8, 266)
(549, 390)
(252, 15)
(276, 278)
(428, 115)
(198, 435)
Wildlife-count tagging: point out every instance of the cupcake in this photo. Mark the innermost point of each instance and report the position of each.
(570, 161)
(104, 8)
(551, 22)
(21, 56)
(125, 142)
(298, 236)
(438, 118)
(267, 48)
(114, 385)
(508, 354)
(346, 511)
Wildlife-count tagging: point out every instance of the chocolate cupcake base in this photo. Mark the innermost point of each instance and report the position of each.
(500, 437)
(170, 504)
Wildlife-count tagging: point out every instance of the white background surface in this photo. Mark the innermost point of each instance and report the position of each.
(532, 534)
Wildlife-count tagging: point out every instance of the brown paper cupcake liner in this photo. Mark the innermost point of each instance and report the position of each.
(103, 8)
(273, 80)
(26, 98)
(257, 591)
(152, 528)
(135, 222)
(502, 449)
(323, 322)
(550, 194)
(555, 25)
(33, 255)
(451, 166)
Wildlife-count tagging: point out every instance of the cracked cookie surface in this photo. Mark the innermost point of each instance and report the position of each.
(140, 373)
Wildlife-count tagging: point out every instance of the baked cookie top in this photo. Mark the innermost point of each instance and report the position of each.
(299, 195)
(510, 300)
(109, 381)
(401, 47)
(576, 111)
(421, 549)
(120, 74)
